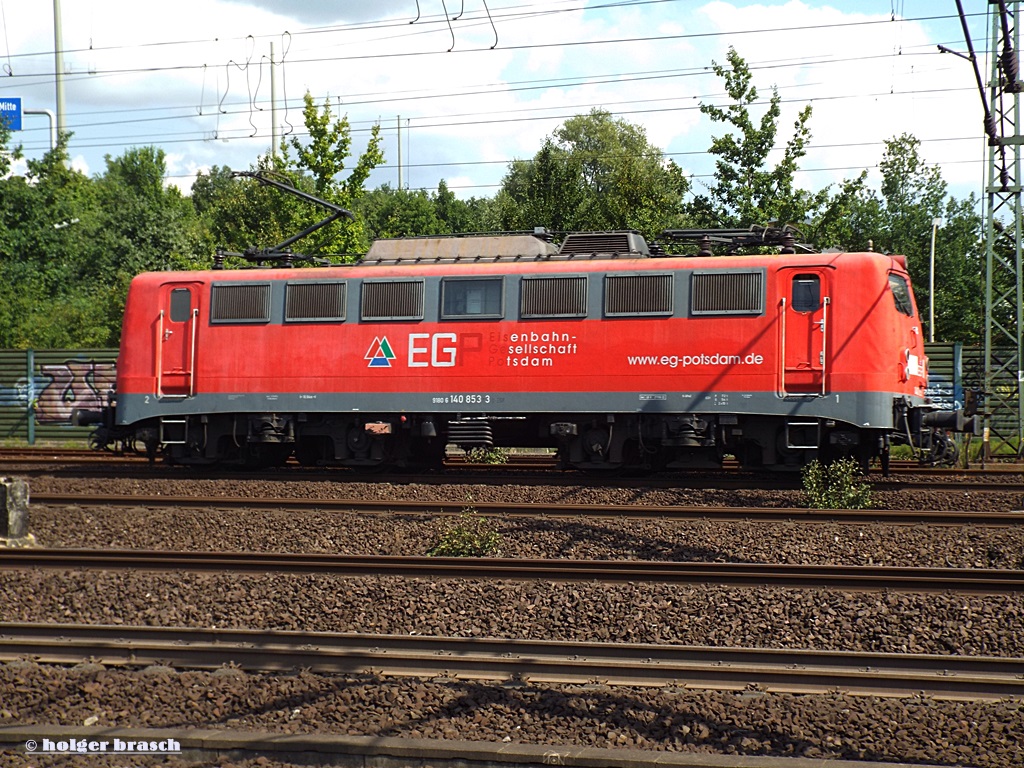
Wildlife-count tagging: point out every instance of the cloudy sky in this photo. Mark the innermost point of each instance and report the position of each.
(474, 85)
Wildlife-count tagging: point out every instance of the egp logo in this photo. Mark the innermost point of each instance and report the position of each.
(380, 353)
(438, 352)
(426, 350)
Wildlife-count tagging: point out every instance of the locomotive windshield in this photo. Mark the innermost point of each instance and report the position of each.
(901, 294)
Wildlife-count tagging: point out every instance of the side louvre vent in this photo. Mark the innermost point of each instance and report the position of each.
(638, 295)
(623, 243)
(315, 301)
(240, 303)
(392, 300)
(554, 297)
(727, 293)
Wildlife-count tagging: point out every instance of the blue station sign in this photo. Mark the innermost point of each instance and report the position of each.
(10, 112)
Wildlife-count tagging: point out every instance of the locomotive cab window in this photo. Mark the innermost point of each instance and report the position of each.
(806, 293)
(901, 295)
(472, 298)
(181, 305)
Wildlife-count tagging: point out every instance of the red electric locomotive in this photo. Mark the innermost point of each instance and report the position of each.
(614, 355)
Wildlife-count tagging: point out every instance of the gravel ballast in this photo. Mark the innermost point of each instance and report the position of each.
(750, 723)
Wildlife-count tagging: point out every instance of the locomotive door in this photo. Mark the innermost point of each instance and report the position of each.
(805, 309)
(176, 325)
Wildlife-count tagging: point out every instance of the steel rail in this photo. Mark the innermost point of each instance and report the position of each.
(514, 461)
(752, 514)
(217, 745)
(562, 662)
(856, 578)
(137, 467)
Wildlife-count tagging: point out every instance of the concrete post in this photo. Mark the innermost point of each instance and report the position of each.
(14, 513)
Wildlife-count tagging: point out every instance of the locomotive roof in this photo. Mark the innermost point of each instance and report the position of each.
(577, 263)
(513, 246)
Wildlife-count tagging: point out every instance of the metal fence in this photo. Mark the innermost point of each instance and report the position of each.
(39, 389)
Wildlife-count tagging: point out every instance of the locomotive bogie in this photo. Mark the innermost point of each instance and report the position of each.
(629, 362)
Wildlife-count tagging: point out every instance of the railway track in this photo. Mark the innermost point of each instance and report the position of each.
(520, 661)
(516, 463)
(851, 578)
(528, 459)
(703, 481)
(436, 508)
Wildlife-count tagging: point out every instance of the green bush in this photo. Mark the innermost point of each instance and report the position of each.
(482, 455)
(901, 453)
(468, 535)
(835, 486)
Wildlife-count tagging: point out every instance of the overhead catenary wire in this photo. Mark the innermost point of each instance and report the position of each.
(444, 120)
(529, 46)
(118, 119)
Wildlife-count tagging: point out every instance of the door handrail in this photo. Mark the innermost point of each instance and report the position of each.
(192, 354)
(159, 353)
(824, 342)
(782, 349)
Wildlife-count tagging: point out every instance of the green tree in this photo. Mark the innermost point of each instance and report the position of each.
(388, 212)
(747, 190)
(323, 159)
(960, 273)
(146, 225)
(239, 213)
(595, 173)
(460, 216)
(899, 219)
(48, 297)
(913, 196)
(7, 153)
(851, 219)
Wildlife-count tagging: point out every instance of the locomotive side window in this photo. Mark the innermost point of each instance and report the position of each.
(806, 293)
(240, 303)
(181, 305)
(553, 297)
(901, 294)
(637, 295)
(310, 301)
(392, 300)
(472, 298)
(727, 293)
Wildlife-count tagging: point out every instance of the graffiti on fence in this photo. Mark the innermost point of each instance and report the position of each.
(72, 384)
(944, 392)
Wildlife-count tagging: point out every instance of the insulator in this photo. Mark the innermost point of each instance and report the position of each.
(1011, 70)
(990, 129)
(705, 246)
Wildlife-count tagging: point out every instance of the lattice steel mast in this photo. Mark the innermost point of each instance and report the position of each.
(1004, 314)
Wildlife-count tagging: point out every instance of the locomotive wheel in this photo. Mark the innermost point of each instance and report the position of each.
(261, 455)
(310, 451)
(358, 442)
(428, 455)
